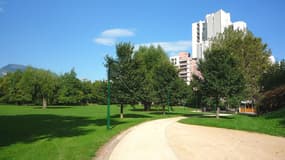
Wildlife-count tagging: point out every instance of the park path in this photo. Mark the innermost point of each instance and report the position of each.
(166, 139)
(147, 141)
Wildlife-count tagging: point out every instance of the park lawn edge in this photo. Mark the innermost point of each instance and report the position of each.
(272, 123)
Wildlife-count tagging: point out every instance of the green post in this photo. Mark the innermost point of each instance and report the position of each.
(196, 99)
(108, 99)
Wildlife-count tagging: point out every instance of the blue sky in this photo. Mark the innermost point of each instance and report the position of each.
(61, 34)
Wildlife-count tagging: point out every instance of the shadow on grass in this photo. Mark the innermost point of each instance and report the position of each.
(167, 113)
(30, 128)
(221, 117)
(282, 122)
(53, 107)
(142, 110)
(278, 114)
(129, 115)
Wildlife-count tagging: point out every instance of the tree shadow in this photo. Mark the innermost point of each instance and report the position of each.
(130, 115)
(30, 128)
(166, 113)
(221, 117)
(282, 122)
(279, 114)
(137, 109)
(53, 107)
(142, 109)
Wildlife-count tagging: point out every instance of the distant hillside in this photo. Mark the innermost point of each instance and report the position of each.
(11, 68)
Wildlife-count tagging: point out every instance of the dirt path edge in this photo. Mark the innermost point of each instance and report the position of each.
(105, 151)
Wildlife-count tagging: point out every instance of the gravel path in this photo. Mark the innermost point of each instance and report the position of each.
(166, 139)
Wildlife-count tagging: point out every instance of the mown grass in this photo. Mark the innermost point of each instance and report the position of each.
(271, 123)
(64, 133)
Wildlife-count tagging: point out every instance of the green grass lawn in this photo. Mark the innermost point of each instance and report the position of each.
(271, 123)
(63, 133)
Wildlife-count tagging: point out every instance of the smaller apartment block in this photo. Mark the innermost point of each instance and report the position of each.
(186, 66)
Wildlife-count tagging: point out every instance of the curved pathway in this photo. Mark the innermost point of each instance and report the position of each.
(166, 139)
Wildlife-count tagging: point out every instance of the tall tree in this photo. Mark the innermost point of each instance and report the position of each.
(251, 53)
(148, 58)
(164, 76)
(47, 85)
(221, 76)
(122, 72)
(40, 84)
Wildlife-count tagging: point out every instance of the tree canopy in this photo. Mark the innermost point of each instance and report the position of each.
(251, 53)
(144, 76)
(222, 77)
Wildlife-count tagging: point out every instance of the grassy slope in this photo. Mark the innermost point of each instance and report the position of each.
(271, 123)
(61, 133)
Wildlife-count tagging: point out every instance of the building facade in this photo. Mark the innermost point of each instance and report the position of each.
(185, 65)
(203, 32)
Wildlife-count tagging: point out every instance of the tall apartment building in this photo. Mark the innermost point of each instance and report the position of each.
(204, 31)
(185, 65)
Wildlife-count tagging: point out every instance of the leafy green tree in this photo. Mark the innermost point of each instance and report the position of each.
(12, 91)
(122, 74)
(70, 91)
(40, 84)
(47, 85)
(180, 92)
(164, 75)
(148, 58)
(274, 76)
(221, 76)
(99, 92)
(251, 53)
(273, 88)
(87, 87)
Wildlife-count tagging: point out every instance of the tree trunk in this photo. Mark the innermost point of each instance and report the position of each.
(146, 106)
(44, 103)
(218, 112)
(218, 109)
(122, 111)
(163, 109)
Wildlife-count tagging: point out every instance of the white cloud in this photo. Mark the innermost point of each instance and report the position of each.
(109, 37)
(105, 41)
(117, 32)
(174, 46)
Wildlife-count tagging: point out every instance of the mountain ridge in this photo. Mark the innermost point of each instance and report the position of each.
(11, 68)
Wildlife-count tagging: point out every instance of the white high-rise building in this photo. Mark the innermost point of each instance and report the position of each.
(204, 31)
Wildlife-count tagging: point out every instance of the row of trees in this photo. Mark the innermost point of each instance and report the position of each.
(145, 76)
(232, 69)
(37, 86)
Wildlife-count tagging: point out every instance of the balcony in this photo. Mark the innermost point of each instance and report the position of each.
(183, 72)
